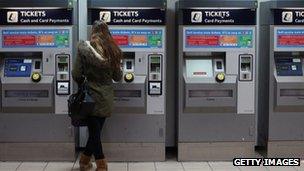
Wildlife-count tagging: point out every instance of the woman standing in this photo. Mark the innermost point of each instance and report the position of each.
(101, 58)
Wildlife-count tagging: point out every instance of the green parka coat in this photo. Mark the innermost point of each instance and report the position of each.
(99, 74)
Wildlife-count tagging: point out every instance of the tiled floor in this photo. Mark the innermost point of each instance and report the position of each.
(141, 166)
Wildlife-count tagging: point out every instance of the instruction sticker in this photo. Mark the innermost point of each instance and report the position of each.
(55, 38)
(137, 38)
(290, 38)
(199, 38)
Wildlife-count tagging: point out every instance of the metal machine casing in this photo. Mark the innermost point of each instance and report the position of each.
(37, 47)
(136, 129)
(281, 115)
(216, 119)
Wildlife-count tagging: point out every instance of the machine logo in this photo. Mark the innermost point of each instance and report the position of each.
(12, 17)
(196, 17)
(105, 16)
(287, 17)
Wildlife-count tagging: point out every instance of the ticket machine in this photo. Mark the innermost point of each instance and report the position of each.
(216, 79)
(136, 130)
(36, 52)
(282, 51)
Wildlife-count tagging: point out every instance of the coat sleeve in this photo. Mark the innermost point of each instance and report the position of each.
(77, 69)
(117, 74)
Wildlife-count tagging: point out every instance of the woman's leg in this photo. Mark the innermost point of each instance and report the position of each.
(94, 146)
(98, 152)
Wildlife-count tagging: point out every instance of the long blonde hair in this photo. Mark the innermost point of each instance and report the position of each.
(104, 43)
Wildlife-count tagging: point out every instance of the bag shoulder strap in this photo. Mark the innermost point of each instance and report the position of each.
(83, 68)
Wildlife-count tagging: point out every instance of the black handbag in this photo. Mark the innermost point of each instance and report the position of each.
(81, 104)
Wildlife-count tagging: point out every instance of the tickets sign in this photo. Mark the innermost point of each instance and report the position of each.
(219, 16)
(289, 16)
(40, 16)
(130, 16)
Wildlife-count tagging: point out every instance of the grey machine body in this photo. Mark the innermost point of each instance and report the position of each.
(216, 121)
(136, 129)
(281, 114)
(34, 121)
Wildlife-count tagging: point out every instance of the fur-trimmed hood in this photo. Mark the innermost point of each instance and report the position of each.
(91, 56)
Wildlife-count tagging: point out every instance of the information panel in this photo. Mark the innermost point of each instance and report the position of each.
(137, 38)
(290, 38)
(200, 38)
(55, 38)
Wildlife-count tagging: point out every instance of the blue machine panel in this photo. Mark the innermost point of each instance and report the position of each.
(17, 67)
(289, 66)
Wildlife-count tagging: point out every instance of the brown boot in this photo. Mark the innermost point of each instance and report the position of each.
(102, 165)
(85, 163)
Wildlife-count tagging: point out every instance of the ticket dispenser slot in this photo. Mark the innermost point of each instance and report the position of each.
(204, 91)
(24, 86)
(245, 67)
(62, 74)
(129, 94)
(289, 81)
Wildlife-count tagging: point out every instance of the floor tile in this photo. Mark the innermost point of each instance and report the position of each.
(299, 168)
(76, 166)
(168, 166)
(196, 165)
(198, 169)
(253, 168)
(59, 166)
(118, 166)
(279, 168)
(180, 169)
(9, 166)
(141, 166)
(218, 165)
(32, 166)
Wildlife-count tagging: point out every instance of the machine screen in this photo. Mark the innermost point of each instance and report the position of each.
(17, 68)
(199, 68)
(289, 66)
(138, 38)
(155, 64)
(63, 59)
(155, 59)
(199, 38)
